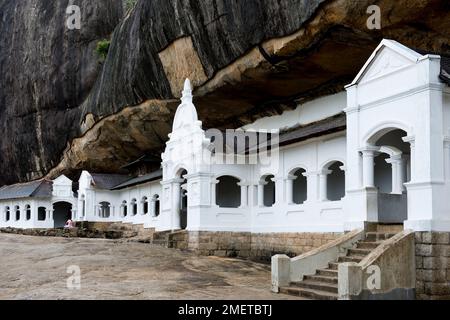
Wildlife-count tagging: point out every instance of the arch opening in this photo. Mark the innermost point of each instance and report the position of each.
(42, 213)
(300, 187)
(269, 190)
(124, 208)
(83, 206)
(157, 206)
(105, 209)
(228, 192)
(134, 207)
(182, 173)
(336, 181)
(62, 212)
(7, 214)
(392, 170)
(28, 212)
(145, 205)
(17, 212)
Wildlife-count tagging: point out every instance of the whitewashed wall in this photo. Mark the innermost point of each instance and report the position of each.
(62, 192)
(23, 223)
(399, 88)
(94, 197)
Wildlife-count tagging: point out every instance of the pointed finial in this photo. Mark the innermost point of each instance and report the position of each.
(187, 91)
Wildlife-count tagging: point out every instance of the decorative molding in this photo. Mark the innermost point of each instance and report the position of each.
(402, 95)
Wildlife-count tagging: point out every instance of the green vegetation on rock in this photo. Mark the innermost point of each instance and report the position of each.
(129, 4)
(103, 48)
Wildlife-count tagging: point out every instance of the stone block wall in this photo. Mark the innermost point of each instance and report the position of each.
(266, 245)
(433, 265)
(221, 244)
(260, 247)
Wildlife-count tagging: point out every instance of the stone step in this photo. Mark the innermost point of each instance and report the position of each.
(356, 259)
(359, 252)
(368, 245)
(327, 272)
(309, 293)
(333, 265)
(321, 278)
(377, 236)
(316, 285)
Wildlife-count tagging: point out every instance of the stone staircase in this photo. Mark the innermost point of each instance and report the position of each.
(324, 284)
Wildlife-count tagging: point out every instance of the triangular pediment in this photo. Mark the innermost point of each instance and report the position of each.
(389, 57)
(62, 180)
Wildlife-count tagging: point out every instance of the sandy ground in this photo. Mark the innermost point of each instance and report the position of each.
(36, 268)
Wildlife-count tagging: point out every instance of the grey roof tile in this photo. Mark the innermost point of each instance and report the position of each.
(157, 175)
(34, 189)
(109, 181)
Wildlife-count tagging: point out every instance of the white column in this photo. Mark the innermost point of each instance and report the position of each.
(244, 195)
(279, 192)
(368, 168)
(290, 189)
(411, 140)
(214, 192)
(261, 194)
(323, 193)
(176, 205)
(311, 186)
(407, 169)
(397, 174)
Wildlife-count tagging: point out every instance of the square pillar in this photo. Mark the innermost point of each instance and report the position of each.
(279, 190)
(323, 185)
(290, 189)
(244, 194)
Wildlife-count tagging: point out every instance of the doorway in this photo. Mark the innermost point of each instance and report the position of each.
(62, 212)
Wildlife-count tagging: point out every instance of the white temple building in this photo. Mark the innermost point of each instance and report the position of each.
(377, 152)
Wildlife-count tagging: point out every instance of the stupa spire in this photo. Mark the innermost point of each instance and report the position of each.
(187, 91)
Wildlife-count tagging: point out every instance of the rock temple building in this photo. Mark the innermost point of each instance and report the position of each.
(316, 182)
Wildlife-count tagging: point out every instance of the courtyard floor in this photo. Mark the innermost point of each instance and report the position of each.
(36, 268)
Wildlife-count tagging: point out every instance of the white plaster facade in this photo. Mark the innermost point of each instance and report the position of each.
(40, 212)
(125, 205)
(394, 155)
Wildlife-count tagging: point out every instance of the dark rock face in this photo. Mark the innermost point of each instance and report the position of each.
(46, 71)
(247, 59)
(221, 31)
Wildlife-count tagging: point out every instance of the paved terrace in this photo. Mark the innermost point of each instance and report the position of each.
(36, 268)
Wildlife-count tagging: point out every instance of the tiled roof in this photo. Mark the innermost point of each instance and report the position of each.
(157, 175)
(109, 181)
(34, 189)
(323, 127)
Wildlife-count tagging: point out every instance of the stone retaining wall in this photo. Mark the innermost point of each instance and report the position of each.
(259, 247)
(433, 265)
